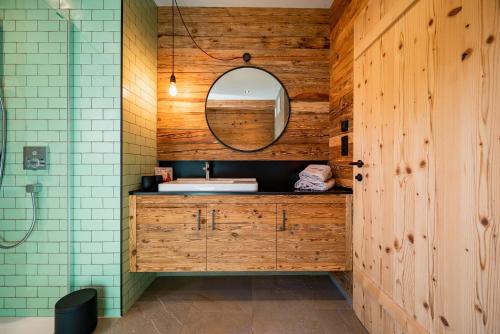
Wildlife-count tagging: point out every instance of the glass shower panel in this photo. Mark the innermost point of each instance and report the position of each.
(34, 210)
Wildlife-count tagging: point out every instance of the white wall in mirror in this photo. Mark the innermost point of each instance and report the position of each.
(246, 84)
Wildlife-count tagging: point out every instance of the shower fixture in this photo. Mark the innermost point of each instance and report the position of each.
(31, 189)
(3, 138)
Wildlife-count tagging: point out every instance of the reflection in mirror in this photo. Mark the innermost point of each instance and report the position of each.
(247, 109)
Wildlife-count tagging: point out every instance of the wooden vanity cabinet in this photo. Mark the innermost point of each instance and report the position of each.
(196, 233)
(312, 237)
(241, 237)
(169, 237)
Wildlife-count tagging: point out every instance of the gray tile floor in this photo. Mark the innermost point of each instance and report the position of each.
(239, 305)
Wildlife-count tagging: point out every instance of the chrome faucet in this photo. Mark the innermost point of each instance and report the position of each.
(207, 170)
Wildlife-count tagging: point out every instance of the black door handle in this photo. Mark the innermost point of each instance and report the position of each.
(359, 177)
(358, 163)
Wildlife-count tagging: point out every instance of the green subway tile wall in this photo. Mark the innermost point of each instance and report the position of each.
(34, 85)
(35, 275)
(96, 76)
(138, 121)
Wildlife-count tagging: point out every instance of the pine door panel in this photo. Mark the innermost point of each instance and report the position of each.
(427, 126)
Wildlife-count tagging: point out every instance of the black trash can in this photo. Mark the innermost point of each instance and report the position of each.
(76, 313)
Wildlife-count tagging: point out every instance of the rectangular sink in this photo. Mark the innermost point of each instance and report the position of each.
(212, 185)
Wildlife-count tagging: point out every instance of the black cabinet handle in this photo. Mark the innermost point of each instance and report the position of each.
(359, 177)
(358, 163)
(283, 221)
(213, 219)
(199, 219)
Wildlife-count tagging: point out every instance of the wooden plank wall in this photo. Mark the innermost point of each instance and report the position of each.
(243, 127)
(343, 14)
(291, 43)
(427, 125)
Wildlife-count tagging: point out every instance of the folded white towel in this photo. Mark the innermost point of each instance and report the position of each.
(312, 178)
(319, 186)
(316, 173)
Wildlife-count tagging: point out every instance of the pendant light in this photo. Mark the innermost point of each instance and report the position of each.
(173, 84)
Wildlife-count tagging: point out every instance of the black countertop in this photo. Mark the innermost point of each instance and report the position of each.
(333, 191)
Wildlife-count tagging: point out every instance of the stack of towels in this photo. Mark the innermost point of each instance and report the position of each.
(316, 178)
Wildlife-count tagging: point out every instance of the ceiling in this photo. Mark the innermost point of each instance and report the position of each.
(245, 84)
(250, 3)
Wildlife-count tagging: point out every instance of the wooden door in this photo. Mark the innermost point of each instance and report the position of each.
(311, 237)
(241, 237)
(171, 238)
(427, 126)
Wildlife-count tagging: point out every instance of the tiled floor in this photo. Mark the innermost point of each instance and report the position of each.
(239, 305)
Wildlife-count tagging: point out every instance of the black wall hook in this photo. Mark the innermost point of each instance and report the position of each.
(247, 57)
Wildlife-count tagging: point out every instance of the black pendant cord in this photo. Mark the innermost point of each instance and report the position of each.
(192, 38)
(173, 38)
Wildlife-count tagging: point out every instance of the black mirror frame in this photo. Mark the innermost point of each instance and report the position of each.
(287, 120)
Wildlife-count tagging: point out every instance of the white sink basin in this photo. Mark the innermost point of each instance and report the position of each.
(215, 185)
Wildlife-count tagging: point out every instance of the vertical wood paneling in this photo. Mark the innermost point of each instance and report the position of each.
(428, 129)
(471, 163)
(343, 14)
(291, 43)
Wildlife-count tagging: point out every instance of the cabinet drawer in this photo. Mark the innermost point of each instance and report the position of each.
(241, 237)
(311, 237)
(171, 238)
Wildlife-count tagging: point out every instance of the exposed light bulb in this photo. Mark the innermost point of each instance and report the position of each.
(173, 87)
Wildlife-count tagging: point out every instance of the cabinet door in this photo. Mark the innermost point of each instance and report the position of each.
(171, 238)
(311, 237)
(241, 237)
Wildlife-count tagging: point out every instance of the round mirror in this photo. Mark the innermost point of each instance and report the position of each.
(247, 109)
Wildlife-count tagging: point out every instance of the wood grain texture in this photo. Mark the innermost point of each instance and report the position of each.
(291, 43)
(348, 233)
(243, 233)
(242, 237)
(386, 21)
(344, 278)
(311, 237)
(428, 128)
(247, 126)
(132, 238)
(171, 238)
(397, 317)
(148, 201)
(343, 14)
